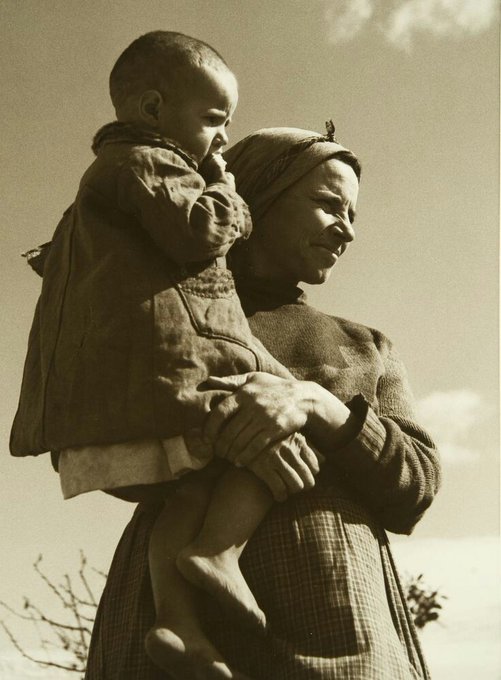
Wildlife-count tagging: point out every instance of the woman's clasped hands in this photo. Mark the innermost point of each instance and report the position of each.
(258, 426)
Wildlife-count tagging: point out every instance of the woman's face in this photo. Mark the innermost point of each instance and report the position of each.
(308, 228)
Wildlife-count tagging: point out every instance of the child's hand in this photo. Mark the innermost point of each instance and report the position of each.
(213, 169)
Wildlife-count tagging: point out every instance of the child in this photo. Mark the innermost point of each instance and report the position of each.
(136, 312)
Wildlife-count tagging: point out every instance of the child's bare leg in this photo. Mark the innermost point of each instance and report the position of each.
(177, 643)
(238, 504)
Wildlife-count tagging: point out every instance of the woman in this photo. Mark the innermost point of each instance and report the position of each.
(320, 564)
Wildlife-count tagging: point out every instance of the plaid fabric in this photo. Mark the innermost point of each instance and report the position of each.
(126, 610)
(320, 549)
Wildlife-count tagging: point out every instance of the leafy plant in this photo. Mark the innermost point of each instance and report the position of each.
(424, 604)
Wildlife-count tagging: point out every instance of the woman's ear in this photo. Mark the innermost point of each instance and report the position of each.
(150, 105)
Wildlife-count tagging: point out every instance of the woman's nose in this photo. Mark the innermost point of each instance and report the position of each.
(344, 229)
(348, 231)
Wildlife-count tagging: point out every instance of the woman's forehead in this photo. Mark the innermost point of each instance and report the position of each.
(332, 173)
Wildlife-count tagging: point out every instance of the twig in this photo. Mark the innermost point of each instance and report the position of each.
(40, 662)
(83, 564)
(41, 618)
(47, 581)
(72, 637)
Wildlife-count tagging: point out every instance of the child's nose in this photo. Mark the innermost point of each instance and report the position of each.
(222, 136)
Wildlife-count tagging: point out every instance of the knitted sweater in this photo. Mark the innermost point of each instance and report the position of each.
(392, 465)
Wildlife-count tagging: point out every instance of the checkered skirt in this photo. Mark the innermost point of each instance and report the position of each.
(322, 571)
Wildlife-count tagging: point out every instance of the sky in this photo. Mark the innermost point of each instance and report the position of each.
(413, 88)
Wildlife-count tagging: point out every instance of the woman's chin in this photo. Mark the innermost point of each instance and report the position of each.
(317, 277)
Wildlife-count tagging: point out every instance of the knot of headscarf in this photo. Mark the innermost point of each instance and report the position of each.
(269, 161)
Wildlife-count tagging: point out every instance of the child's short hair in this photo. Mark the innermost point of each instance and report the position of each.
(156, 59)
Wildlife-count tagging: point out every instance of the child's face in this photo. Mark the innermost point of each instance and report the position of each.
(198, 118)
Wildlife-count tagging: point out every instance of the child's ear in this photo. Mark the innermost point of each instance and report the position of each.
(150, 104)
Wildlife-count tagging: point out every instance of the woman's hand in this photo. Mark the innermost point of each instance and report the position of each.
(262, 410)
(287, 467)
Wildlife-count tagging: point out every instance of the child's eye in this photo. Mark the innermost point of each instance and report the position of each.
(213, 120)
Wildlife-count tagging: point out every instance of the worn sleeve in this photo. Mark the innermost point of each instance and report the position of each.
(188, 220)
(392, 463)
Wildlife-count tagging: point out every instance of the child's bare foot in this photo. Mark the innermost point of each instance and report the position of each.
(187, 658)
(221, 577)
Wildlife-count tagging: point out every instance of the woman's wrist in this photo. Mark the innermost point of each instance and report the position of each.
(331, 424)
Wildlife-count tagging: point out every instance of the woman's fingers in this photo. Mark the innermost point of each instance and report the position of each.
(239, 431)
(262, 409)
(228, 382)
(284, 461)
(226, 407)
(218, 416)
(252, 448)
(289, 475)
(311, 456)
(292, 452)
(237, 420)
(235, 437)
(262, 468)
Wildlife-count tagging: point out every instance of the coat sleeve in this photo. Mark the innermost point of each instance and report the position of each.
(188, 220)
(392, 463)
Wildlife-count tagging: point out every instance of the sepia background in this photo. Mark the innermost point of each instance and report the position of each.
(413, 88)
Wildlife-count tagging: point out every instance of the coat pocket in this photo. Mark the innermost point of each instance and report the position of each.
(213, 306)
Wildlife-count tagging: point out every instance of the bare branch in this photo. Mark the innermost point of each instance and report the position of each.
(71, 636)
(75, 610)
(16, 613)
(81, 573)
(40, 662)
(100, 573)
(41, 618)
(49, 583)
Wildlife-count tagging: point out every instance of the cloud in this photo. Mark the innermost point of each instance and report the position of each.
(401, 20)
(450, 417)
(346, 18)
(439, 18)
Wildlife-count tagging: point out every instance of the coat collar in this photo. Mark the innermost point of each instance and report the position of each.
(129, 133)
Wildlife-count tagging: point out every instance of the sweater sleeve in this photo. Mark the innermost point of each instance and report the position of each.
(391, 463)
(188, 220)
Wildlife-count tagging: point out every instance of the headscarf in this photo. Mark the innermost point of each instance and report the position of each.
(269, 161)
